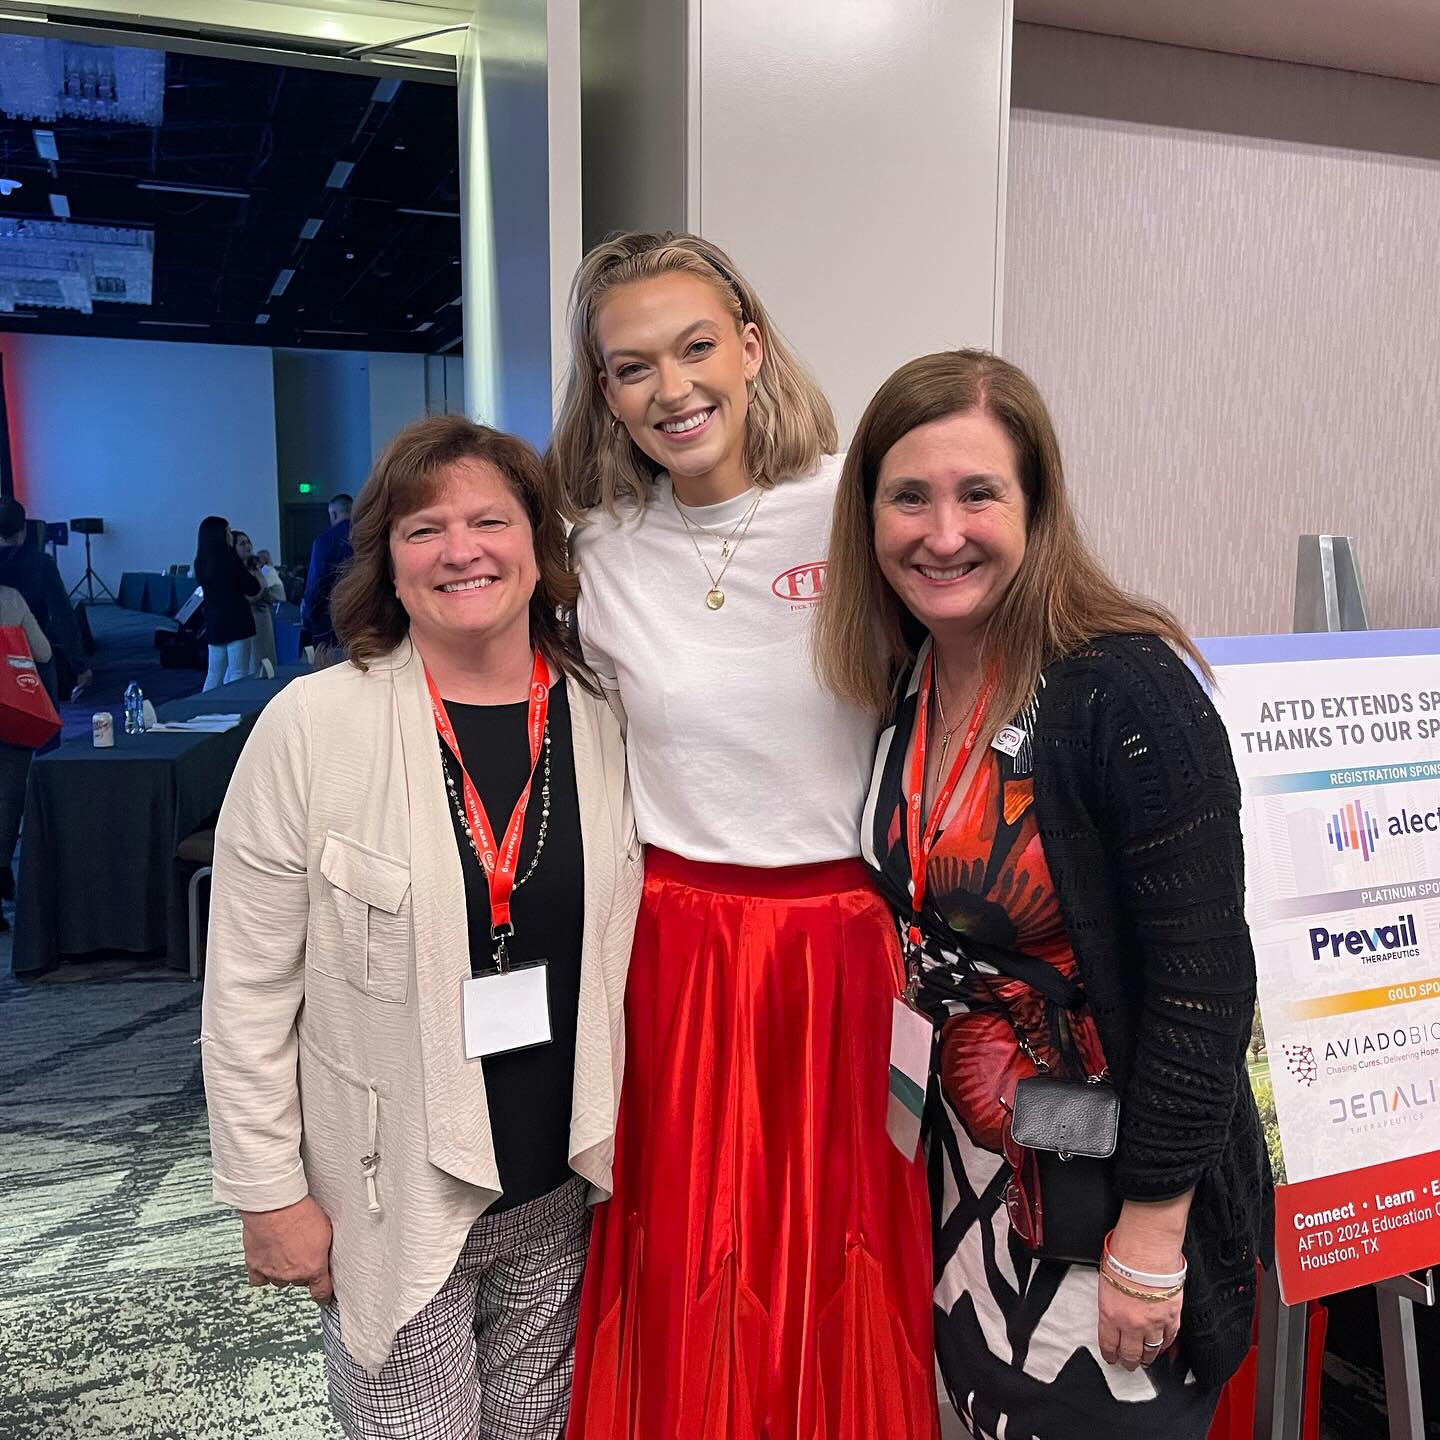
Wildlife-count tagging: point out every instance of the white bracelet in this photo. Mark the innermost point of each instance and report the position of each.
(1143, 1277)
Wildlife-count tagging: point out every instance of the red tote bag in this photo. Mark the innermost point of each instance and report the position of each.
(27, 718)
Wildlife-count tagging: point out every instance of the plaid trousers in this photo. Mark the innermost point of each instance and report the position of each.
(490, 1357)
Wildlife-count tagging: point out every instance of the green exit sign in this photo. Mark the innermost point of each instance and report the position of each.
(304, 489)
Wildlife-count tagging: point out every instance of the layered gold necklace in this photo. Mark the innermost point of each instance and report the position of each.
(729, 545)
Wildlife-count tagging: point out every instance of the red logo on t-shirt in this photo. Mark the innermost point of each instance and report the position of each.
(801, 584)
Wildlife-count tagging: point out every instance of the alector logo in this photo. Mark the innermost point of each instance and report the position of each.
(1394, 941)
(1353, 827)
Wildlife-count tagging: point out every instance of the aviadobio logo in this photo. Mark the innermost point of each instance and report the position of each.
(1395, 941)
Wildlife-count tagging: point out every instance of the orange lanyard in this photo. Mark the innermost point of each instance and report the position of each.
(921, 843)
(499, 862)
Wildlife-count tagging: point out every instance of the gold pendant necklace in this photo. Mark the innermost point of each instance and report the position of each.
(947, 731)
(729, 547)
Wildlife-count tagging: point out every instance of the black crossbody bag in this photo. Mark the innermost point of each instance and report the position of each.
(1060, 1135)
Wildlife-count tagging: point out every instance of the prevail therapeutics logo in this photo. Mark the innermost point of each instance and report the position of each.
(1353, 827)
(1395, 941)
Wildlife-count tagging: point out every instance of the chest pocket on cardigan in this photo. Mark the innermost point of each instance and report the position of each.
(362, 933)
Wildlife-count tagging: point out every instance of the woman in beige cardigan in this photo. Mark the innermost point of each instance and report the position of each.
(426, 879)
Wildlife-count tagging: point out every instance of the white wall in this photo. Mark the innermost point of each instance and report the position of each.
(1222, 275)
(409, 387)
(850, 157)
(322, 421)
(151, 436)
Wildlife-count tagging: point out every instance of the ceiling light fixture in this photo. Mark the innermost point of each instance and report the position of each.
(45, 146)
(438, 214)
(340, 173)
(263, 318)
(281, 281)
(424, 325)
(60, 207)
(310, 229)
(217, 192)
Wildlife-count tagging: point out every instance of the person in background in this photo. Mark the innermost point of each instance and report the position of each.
(328, 557)
(15, 759)
(272, 592)
(32, 572)
(422, 1173)
(230, 592)
(1057, 789)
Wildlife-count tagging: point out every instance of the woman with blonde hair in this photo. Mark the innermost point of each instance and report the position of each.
(1054, 815)
(763, 1267)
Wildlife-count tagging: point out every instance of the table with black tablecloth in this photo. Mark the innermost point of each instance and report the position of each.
(97, 862)
(153, 593)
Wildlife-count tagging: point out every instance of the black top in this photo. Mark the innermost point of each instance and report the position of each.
(1138, 810)
(229, 588)
(529, 1091)
(34, 574)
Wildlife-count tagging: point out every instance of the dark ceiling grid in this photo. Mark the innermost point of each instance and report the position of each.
(262, 142)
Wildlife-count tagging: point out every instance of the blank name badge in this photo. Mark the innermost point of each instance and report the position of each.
(508, 1010)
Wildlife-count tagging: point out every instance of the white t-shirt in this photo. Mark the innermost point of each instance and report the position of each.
(737, 753)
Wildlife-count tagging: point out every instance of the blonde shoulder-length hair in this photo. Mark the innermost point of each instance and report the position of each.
(788, 424)
(1060, 597)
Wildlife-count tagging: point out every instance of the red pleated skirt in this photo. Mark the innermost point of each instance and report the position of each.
(763, 1268)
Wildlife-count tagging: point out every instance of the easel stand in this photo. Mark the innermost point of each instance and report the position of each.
(1397, 1299)
(1280, 1370)
(1330, 596)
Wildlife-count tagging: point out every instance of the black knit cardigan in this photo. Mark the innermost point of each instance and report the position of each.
(1138, 810)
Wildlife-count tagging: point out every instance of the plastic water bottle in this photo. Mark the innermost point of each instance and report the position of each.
(134, 709)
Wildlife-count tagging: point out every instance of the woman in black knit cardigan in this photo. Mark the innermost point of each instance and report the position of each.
(1086, 820)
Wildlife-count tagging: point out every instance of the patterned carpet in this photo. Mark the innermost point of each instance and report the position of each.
(124, 1312)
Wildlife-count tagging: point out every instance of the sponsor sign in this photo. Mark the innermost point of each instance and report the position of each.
(1336, 740)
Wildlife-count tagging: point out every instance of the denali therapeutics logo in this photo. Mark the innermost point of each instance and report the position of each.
(1353, 827)
(1392, 1105)
(1395, 941)
(801, 585)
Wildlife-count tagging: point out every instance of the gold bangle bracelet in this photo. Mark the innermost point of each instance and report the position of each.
(1155, 1296)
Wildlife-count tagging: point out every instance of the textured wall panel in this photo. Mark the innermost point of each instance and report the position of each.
(1240, 341)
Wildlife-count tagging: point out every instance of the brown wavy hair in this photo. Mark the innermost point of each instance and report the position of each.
(369, 619)
(1060, 597)
(788, 423)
